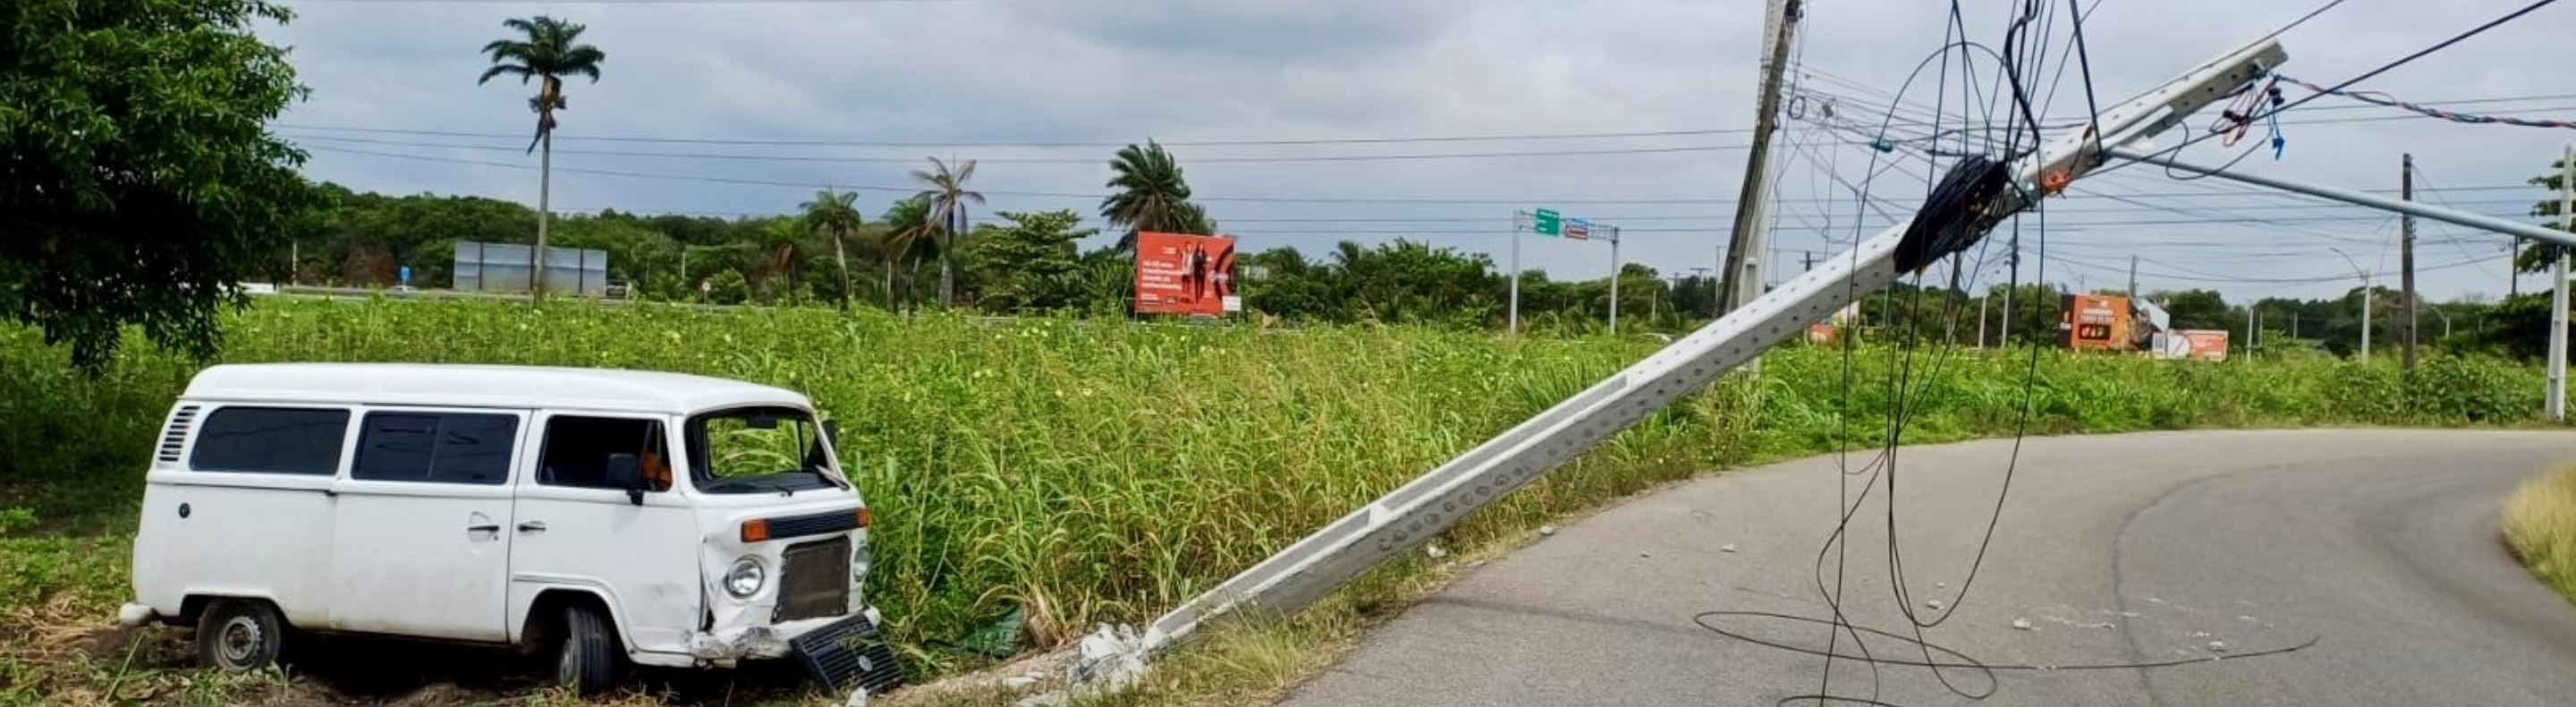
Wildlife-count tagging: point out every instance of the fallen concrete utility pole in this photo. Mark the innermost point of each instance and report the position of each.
(1409, 516)
(2359, 198)
(1974, 197)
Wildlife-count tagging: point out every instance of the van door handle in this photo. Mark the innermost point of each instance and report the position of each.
(534, 526)
(483, 529)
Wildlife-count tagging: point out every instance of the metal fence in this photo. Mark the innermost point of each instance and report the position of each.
(503, 267)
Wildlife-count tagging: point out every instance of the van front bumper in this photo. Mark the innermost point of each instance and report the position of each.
(723, 646)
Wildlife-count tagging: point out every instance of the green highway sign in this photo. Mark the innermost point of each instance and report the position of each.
(1545, 222)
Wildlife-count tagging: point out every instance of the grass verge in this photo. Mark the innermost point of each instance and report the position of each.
(2540, 527)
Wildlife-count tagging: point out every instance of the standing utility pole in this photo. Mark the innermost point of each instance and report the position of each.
(1742, 277)
(1514, 325)
(2406, 254)
(2133, 278)
(545, 192)
(1614, 280)
(2366, 287)
(1981, 321)
(2013, 259)
(2558, 291)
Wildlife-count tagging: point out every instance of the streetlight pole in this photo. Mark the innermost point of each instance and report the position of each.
(2437, 311)
(2364, 274)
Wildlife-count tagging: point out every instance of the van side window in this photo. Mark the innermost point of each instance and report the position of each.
(445, 448)
(577, 450)
(271, 441)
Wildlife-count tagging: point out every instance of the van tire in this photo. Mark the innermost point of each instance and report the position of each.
(587, 655)
(240, 635)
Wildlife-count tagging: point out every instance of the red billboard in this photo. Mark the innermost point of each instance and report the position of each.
(1184, 274)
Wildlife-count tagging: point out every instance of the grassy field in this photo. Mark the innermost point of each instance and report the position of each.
(2540, 526)
(1087, 472)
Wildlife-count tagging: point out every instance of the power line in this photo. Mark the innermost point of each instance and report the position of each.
(2253, 116)
(1050, 160)
(1040, 144)
(1904, 118)
(1405, 200)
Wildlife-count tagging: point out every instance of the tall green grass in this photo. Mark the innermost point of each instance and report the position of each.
(1090, 471)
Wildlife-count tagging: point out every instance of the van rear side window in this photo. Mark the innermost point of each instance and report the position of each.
(444, 448)
(270, 441)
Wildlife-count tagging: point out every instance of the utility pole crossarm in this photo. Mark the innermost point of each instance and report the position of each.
(1974, 197)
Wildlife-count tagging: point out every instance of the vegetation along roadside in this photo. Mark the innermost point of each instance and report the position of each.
(1072, 472)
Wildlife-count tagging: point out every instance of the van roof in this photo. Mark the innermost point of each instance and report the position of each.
(466, 385)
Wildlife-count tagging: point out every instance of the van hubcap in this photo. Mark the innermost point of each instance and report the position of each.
(241, 639)
(568, 663)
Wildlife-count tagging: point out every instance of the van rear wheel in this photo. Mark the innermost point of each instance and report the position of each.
(586, 658)
(240, 635)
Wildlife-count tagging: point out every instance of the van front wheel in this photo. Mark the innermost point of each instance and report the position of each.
(240, 635)
(586, 659)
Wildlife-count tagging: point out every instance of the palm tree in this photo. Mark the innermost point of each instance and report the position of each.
(836, 213)
(947, 196)
(551, 52)
(908, 231)
(783, 233)
(1150, 196)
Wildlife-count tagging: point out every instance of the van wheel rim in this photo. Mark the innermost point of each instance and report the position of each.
(568, 664)
(241, 639)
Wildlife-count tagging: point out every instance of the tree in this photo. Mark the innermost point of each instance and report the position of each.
(780, 237)
(2196, 309)
(1150, 196)
(947, 196)
(138, 181)
(909, 235)
(1029, 264)
(837, 214)
(550, 51)
(728, 287)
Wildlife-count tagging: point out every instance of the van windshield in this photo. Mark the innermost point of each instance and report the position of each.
(758, 450)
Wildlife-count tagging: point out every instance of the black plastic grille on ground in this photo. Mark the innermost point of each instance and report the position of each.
(815, 581)
(846, 655)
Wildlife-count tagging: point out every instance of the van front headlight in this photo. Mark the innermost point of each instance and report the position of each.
(745, 578)
(859, 564)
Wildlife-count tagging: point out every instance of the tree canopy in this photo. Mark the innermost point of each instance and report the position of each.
(1151, 195)
(548, 49)
(139, 184)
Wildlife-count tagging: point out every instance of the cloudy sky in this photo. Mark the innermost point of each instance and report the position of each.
(697, 94)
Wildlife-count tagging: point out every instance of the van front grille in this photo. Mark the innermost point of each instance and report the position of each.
(815, 580)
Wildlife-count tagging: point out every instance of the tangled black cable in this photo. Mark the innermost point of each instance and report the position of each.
(1953, 216)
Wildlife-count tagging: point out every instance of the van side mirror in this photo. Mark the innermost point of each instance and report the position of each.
(627, 472)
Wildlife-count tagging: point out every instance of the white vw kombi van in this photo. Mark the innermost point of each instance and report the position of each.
(608, 516)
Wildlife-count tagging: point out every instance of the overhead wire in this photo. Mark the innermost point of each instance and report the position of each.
(2024, 58)
(2364, 76)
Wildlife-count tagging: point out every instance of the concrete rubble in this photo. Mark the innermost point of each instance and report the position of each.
(1110, 659)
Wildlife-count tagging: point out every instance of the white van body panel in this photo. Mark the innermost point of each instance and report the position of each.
(476, 386)
(639, 559)
(264, 538)
(416, 561)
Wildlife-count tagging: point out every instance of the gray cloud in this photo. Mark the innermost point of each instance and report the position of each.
(1182, 71)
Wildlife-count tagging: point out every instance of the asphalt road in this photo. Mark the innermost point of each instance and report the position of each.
(2379, 545)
